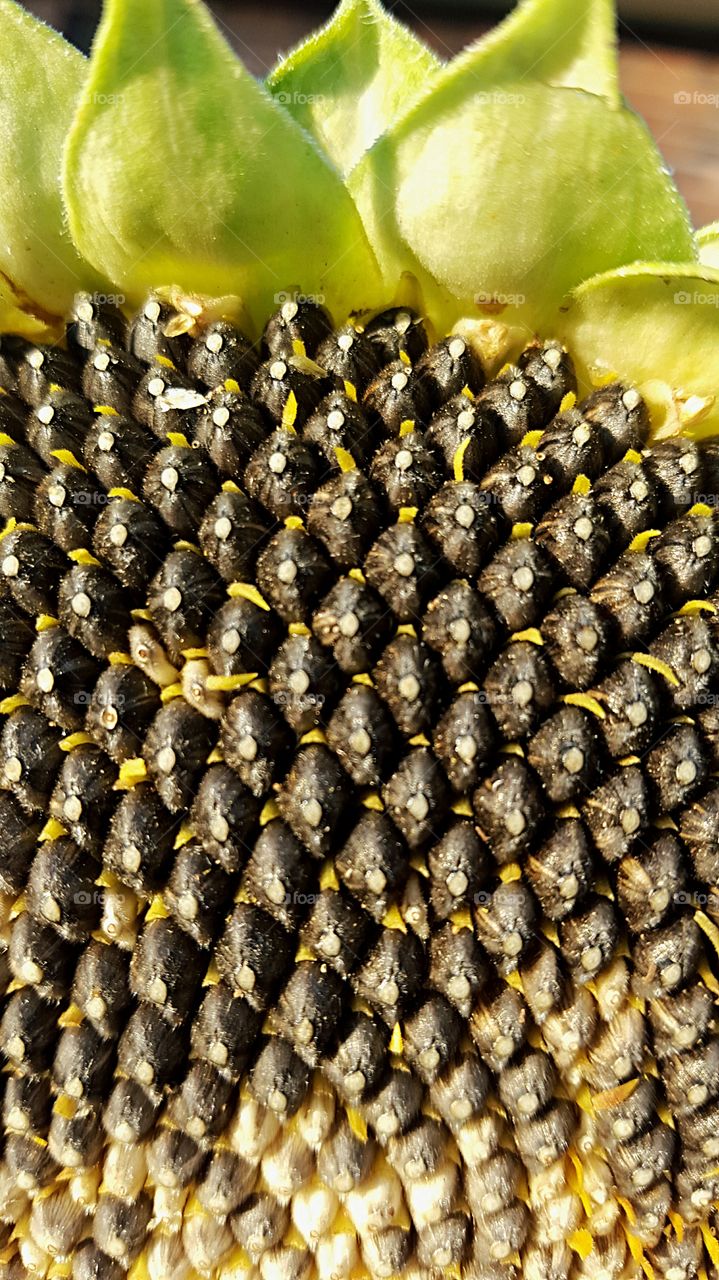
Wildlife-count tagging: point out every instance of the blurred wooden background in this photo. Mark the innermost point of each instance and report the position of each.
(675, 88)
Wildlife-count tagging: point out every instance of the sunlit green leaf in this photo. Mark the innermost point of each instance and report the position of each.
(41, 79)
(708, 244)
(348, 81)
(181, 169)
(512, 197)
(653, 323)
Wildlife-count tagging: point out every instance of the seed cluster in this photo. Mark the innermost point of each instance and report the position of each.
(359, 865)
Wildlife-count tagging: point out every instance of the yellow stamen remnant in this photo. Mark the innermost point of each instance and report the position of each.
(289, 413)
(697, 606)
(269, 812)
(345, 461)
(587, 702)
(171, 691)
(393, 920)
(458, 460)
(53, 830)
(328, 875)
(69, 459)
(531, 439)
(462, 808)
(655, 664)
(127, 494)
(157, 909)
(709, 928)
(73, 740)
(131, 772)
(12, 703)
(313, 735)
(532, 635)
(371, 800)
(227, 684)
(82, 556)
(581, 1242)
(248, 592)
(407, 515)
(357, 1124)
(640, 542)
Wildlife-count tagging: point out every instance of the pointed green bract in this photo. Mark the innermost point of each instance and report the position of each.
(41, 79)
(649, 322)
(512, 197)
(348, 82)
(708, 244)
(558, 42)
(181, 169)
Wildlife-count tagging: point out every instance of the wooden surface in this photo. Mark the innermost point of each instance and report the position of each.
(676, 90)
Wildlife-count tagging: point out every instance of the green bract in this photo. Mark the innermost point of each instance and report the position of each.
(653, 323)
(519, 174)
(708, 244)
(510, 183)
(557, 42)
(181, 169)
(515, 196)
(42, 77)
(349, 81)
